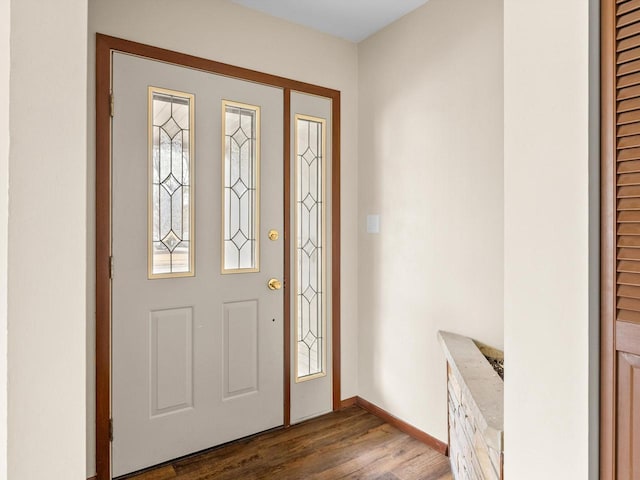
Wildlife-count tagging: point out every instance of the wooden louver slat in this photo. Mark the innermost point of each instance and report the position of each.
(628, 266)
(628, 80)
(630, 216)
(628, 92)
(629, 304)
(632, 279)
(628, 179)
(629, 154)
(629, 291)
(633, 104)
(628, 241)
(628, 117)
(627, 7)
(627, 43)
(629, 167)
(628, 31)
(629, 204)
(629, 142)
(630, 128)
(628, 18)
(628, 229)
(628, 192)
(629, 68)
(628, 316)
(629, 55)
(629, 254)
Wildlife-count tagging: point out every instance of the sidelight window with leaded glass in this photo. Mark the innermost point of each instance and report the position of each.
(310, 253)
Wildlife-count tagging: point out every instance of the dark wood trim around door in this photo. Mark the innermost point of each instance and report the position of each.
(103, 257)
(335, 250)
(105, 45)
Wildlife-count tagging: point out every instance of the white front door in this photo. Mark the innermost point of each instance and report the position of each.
(197, 182)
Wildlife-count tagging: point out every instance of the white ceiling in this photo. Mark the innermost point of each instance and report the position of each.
(353, 20)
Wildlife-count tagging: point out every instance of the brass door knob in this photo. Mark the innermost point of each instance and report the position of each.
(273, 235)
(274, 284)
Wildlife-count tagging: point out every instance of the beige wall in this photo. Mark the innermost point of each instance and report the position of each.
(431, 153)
(219, 30)
(546, 95)
(47, 240)
(5, 24)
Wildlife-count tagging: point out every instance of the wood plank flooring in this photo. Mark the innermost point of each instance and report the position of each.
(349, 444)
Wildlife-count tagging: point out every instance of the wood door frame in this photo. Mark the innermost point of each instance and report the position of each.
(105, 46)
(608, 220)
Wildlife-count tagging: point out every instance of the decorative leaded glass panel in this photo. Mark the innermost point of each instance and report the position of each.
(310, 144)
(241, 174)
(171, 122)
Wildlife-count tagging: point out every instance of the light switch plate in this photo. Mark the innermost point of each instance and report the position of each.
(373, 223)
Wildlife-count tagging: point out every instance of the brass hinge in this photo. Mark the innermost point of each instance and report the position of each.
(111, 107)
(111, 429)
(111, 267)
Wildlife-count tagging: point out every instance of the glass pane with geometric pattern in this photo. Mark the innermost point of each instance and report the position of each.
(241, 177)
(171, 226)
(310, 255)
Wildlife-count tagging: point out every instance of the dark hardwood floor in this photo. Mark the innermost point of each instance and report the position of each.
(349, 444)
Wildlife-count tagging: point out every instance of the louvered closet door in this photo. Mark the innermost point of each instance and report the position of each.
(627, 323)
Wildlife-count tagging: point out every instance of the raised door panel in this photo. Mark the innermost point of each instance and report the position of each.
(628, 428)
(240, 348)
(171, 361)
